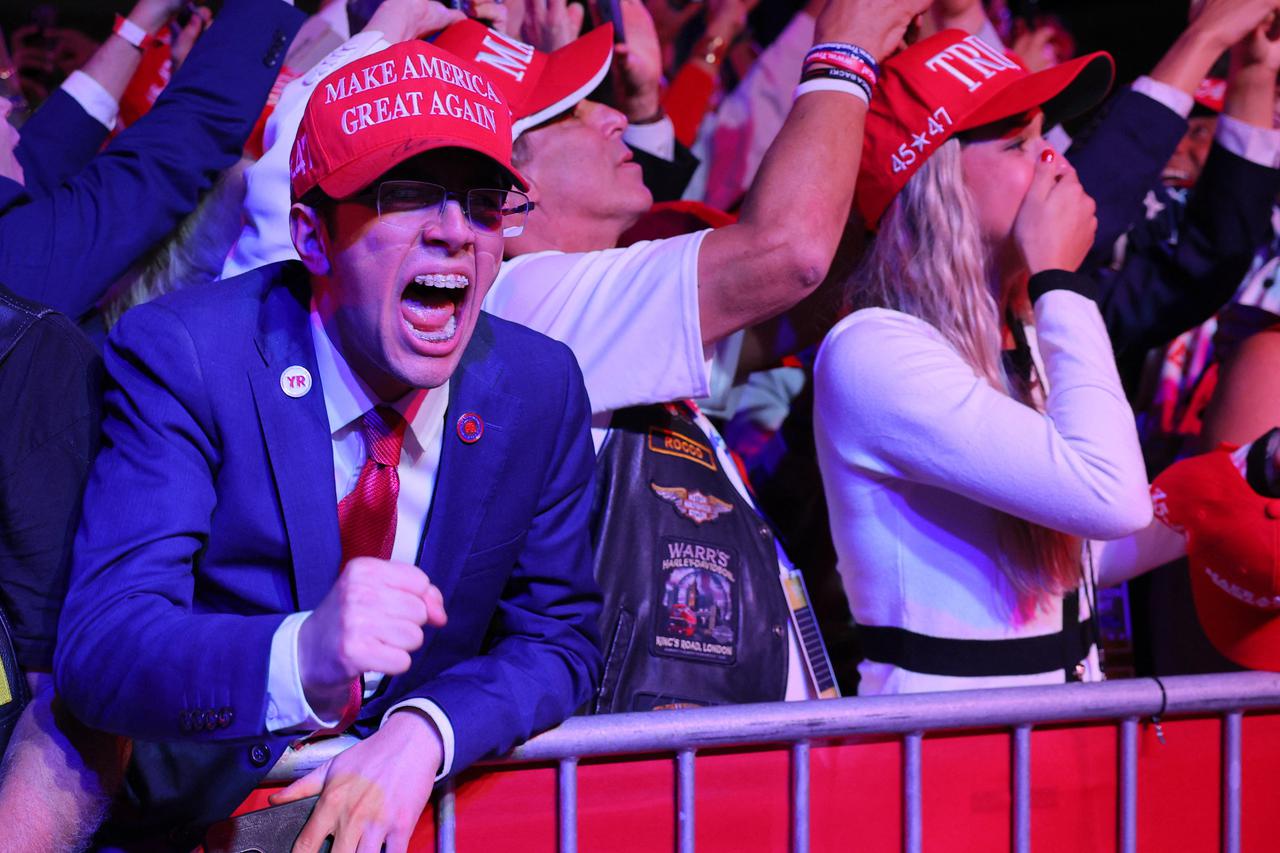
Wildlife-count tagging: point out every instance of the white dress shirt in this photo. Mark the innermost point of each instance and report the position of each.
(346, 399)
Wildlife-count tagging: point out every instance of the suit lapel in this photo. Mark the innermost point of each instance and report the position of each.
(469, 474)
(296, 432)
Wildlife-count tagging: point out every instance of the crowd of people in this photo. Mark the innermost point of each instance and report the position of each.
(422, 376)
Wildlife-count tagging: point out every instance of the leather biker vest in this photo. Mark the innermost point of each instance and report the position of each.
(694, 612)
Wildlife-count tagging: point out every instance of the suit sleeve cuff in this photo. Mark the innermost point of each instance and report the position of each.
(92, 98)
(287, 707)
(1260, 145)
(444, 728)
(1173, 98)
(1043, 282)
(657, 138)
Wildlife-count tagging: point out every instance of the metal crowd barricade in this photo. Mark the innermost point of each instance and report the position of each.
(684, 733)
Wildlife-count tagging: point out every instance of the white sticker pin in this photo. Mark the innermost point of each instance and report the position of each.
(295, 381)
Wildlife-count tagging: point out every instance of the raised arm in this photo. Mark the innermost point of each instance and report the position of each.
(1121, 159)
(63, 250)
(796, 209)
(1164, 286)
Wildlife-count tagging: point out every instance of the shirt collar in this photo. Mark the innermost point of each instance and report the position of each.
(347, 397)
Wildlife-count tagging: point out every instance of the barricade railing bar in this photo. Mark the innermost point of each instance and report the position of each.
(683, 733)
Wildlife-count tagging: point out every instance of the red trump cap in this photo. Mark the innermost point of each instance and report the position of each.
(1233, 548)
(538, 85)
(374, 113)
(949, 83)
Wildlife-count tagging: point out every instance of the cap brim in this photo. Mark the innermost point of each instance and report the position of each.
(1062, 92)
(370, 165)
(1246, 635)
(571, 73)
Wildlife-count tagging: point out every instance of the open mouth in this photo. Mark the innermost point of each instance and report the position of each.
(430, 305)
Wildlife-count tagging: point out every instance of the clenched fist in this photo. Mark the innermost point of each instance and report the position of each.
(371, 621)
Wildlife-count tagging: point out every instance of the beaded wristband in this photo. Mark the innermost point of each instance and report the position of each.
(833, 86)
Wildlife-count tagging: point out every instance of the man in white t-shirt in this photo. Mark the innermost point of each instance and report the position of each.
(678, 540)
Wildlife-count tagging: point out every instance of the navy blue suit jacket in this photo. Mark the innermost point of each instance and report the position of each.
(63, 245)
(210, 514)
(1168, 282)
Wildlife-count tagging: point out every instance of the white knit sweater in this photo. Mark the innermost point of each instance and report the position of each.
(917, 452)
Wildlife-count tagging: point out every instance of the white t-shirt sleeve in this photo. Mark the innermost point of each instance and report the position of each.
(629, 315)
(896, 400)
(265, 238)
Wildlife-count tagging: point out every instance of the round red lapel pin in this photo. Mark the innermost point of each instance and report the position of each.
(470, 428)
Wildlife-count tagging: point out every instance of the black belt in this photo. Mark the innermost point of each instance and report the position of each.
(984, 658)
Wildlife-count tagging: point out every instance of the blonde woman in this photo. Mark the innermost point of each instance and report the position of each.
(963, 483)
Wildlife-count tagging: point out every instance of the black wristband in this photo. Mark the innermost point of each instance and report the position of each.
(1042, 282)
(1258, 465)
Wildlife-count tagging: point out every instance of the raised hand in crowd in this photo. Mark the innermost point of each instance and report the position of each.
(1215, 26)
(551, 24)
(114, 64)
(876, 26)
(401, 20)
(495, 14)
(195, 26)
(1055, 225)
(639, 63)
(1251, 82)
(670, 18)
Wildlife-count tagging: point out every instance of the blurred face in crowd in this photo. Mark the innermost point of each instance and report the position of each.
(998, 161)
(1183, 168)
(399, 294)
(581, 172)
(9, 166)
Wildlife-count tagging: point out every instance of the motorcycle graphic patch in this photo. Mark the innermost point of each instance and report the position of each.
(696, 617)
(692, 504)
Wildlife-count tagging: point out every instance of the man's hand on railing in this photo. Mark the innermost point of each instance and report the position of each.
(373, 793)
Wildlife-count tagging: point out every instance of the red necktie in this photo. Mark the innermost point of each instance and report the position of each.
(367, 516)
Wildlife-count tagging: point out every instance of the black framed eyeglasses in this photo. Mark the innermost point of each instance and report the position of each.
(412, 205)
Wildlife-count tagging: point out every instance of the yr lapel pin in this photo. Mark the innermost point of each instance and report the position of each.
(296, 381)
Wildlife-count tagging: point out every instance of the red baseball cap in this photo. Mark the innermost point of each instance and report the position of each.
(1212, 93)
(374, 113)
(952, 82)
(537, 85)
(1233, 547)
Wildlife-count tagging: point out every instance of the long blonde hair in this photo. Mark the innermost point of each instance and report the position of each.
(929, 260)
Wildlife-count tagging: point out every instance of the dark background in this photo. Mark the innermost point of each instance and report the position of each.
(1136, 32)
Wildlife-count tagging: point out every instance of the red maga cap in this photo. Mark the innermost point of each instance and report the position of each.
(1233, 548)
(373, 114)
(538, 85)
(952, 82)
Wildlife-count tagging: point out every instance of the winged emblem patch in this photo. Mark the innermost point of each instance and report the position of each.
(693, 505)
